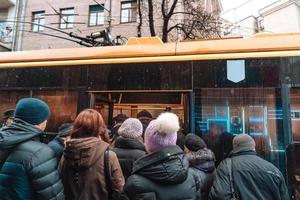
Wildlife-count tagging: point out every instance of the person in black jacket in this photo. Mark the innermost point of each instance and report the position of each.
(163, 174)
(58, 143)
(127, 146)
(29, 168)
(252, 177)
(202, 162)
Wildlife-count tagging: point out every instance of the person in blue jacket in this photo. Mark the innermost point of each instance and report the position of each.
(28, 168)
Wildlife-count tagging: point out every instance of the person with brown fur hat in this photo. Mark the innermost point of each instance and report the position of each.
(244, 175)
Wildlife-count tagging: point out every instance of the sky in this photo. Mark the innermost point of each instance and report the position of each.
(227, 4)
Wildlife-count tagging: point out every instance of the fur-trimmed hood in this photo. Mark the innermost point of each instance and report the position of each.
(204, 160)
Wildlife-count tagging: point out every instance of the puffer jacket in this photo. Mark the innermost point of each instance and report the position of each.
(253, 178)
(202, 163)
(128, 151)
(162, 175)
(29, 168)
(82, 169)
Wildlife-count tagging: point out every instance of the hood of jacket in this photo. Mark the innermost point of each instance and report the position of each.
(167, 165)
(17, 133)
(84, 152)
(204, 160)
(129, 143)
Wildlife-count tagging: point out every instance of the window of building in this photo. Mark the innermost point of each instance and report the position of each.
(96, 16)
(128, 11)
(66, 18)
(38, 18)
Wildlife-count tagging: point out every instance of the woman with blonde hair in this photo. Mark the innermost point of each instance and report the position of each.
(89, 170)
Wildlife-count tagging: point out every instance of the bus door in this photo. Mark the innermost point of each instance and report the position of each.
(130, 103)
(104, 106)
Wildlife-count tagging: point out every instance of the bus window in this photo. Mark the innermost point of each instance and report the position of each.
(293, 169)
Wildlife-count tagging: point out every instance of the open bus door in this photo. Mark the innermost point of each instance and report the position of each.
(104, 106)
(130, 103)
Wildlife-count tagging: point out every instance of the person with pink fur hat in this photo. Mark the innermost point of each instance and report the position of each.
(162, 174)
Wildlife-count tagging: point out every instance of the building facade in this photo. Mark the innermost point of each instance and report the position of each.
(8, 12)
(255, 16)
(84, 17)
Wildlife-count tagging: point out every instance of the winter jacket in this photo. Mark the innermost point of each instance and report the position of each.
(82, 169)
(220, 144)
(162, 175)
(253, 178)
(57, 145)
(29, 168)
(128, 151)
(202, 163)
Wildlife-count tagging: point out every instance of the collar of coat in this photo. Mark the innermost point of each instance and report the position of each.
(157, 157)
(242, 152)
(129, 143)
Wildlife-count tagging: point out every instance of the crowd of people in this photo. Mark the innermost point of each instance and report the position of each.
(138, 159)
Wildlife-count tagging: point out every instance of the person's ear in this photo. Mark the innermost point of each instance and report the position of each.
(42, 125)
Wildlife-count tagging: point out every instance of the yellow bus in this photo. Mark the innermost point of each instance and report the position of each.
(233, 85)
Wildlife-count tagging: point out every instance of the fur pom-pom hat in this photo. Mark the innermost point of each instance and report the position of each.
(162, 132)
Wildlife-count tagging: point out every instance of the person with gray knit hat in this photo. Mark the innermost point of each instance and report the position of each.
(164, 173)
(244, 175)
(128, 146)
(131, 128)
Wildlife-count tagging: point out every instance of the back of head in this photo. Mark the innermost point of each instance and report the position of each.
(144, 114)
(89, 123)
(162, 132)
(194, 142)
(120, 118)
(131, 128)
(243, 142)
(9, 114)
(31, 110)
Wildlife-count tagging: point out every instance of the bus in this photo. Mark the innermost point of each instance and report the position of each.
(234, 85)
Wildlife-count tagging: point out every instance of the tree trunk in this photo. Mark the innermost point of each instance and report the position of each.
(139, 28)
(165, 30)
(151, 21)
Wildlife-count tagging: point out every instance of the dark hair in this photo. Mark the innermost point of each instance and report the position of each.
(144, 114)
(89, 123)
(120, 118)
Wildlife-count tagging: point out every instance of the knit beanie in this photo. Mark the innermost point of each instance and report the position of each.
(162, 132)
(243, 142)
(194, 142)
(32, 111)
(131, 128)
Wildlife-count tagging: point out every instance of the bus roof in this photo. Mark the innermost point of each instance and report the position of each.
(153, 50)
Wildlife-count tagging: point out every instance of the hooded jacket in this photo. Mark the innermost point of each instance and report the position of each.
(29, 167)
(162, 175)
(83, 172)
(202, 163)
(128, 151)
(253, 178)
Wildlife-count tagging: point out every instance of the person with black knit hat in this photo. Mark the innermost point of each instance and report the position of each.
(244, 175)
(202, 162)
(28, 168)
